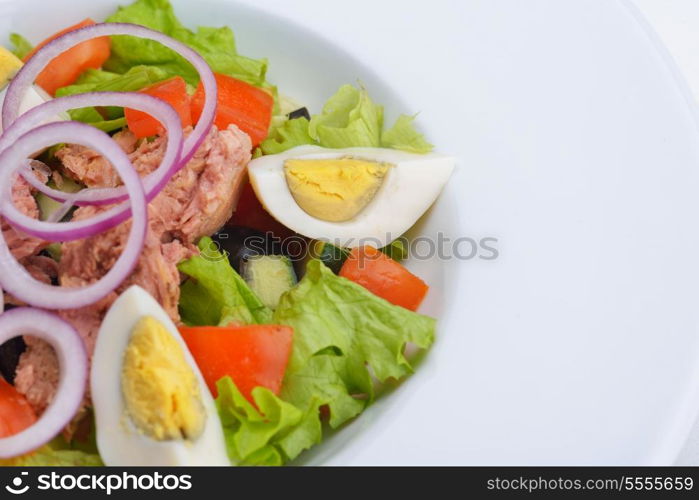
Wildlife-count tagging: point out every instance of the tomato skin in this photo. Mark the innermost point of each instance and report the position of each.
(15, 412)
(250, 213)
(240, 103)
(65, 68)
(384, 277)
(174, 92)
(253, 355)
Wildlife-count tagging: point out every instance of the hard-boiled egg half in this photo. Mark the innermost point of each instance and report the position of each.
(350, 197)
(152, 405)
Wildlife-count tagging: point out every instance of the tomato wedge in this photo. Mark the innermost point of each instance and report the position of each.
(250, 213)
(15, 412)
(384, 277)
(240, 103)
(65, 68)
(174, 92)
(253, 355)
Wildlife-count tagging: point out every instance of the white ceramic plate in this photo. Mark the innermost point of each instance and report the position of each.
(578, 150)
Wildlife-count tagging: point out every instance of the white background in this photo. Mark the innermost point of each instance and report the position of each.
(675, 21)
(677, 24)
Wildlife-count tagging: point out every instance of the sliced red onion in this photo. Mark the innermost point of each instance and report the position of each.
(72, 360)
(24, 135)
(153, 182)
(28, 73)
(61, 212)
(14, 278)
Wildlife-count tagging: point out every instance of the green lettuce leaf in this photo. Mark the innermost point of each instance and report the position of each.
(290, 134)
(109, 125)
(92, 75)
(48, 457)
(85, 115)
(266, 433)
(21, 46)
(349, 119)
(216, 46)
(61, 453)
(215, 294)
(403, 136)
(93, 80)
(341, 331)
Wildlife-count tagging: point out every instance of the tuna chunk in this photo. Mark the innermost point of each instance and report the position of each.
(197, 201)
(87, 166)
(37, 373)
(19, 243)
(83, 262)
(200, 198)
(41, 268)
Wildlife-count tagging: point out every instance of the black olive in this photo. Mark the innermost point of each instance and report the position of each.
(240, 243)
(299, 113)
(10, 352)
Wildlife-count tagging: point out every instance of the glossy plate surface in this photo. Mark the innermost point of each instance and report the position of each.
(578, 151)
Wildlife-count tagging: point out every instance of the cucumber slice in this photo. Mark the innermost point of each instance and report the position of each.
(397, 249)
(269, 276)
(330, 255)
(47, 206)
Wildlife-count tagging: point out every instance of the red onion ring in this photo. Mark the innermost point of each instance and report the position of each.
(153, 182)
(62, 211)
(72, 360)
(14, 279)
(27, 74)
(23, 136)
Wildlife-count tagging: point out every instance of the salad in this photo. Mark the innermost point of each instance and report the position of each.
(197, 270)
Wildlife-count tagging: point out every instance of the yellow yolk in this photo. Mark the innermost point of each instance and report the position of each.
(160, 389)
(9, 65)
(334, 190)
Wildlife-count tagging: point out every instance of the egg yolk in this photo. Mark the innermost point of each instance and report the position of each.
(9, 65)
(335, 189)
(160, 388)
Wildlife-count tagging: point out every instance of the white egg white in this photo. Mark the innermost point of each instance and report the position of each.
(119, 442)
(408, 190)
(33, 97)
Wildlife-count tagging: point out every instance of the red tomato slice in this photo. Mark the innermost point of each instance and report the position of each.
(15, 412)
(251, 213)
(253, 356)
(384, 277)
(240, 103)
(65, 68)
(174, 92)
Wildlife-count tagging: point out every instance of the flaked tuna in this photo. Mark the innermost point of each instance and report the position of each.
(197, 201)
